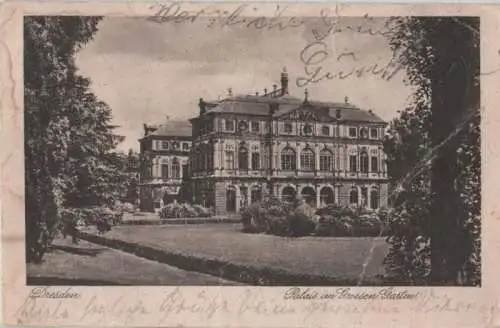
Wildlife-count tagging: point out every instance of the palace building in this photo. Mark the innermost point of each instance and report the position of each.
(164, 152)
(247, 145)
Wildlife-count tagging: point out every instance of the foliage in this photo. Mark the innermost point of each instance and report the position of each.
(183, 210)
(415, 143)
(69, 142)
(277, 217)
(342, 221)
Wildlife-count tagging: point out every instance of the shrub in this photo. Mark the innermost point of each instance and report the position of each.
(280, 218)
(185, 210)
(201, 211)
(343, 221)
(101, 217)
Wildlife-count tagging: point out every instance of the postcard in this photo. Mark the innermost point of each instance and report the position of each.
(249, 164)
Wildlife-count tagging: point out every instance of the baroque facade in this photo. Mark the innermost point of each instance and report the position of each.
(245, 146)
(164, 152)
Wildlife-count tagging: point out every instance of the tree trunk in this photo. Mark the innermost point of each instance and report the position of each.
(452, 81)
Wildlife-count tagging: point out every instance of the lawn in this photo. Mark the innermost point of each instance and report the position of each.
(335, 257)
(91, 264)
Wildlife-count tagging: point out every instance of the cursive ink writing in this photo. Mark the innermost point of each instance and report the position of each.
(96, 311)
(174, 13)
(205, 305)
(51, 292)
(36, 311)
(316, 53)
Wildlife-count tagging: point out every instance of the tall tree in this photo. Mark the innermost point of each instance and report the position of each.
(442, 60)
(69, 142)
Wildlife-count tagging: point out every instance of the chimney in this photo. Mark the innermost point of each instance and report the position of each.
(203, 107)
(230, 92)
(257, 93)
(284, 82)
(338, 115)
(265, 92)
(346, 99)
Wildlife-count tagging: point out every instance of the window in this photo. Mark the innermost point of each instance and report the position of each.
(229, 159)
(363, 133)
(164, 171)
(308, 129)
(230, 125)
(242, 126)
(325, 161)
(307, 162)
(364, 162)
(373, 133)
(176, 169)
(325, 130)
(255, 126)
(374, 199)
(164, 145)
(353, 132)
(210, 159)
(156, 144)
(176, 145)
(243, 158)
(255, 161)
(353, 196)
(288, 159)
(374, 164)
(353, 165)
(288, 128)
(185, 146)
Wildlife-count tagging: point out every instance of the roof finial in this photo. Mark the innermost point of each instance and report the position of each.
(306, 95)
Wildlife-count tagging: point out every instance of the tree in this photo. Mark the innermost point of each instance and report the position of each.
(442, 59)
(69, 142)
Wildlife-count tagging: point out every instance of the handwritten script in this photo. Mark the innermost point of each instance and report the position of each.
(316, 53)
(175, 13)
(303, 303)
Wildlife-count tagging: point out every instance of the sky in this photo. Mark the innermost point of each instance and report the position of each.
(148, 72)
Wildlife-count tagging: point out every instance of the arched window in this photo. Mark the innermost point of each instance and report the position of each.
(243, 158)
(307, 160)
(364, 162)
(288, 194)
(288, 159)
(353, 196)
(327, 196)
(374, 199)
(176, 169)
(325, 160)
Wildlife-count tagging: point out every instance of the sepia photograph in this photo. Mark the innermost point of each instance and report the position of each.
(202, 147)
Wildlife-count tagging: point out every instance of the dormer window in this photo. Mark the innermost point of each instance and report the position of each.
(353, 133)
(288, 128)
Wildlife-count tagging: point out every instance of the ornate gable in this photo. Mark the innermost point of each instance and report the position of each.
(307, 114)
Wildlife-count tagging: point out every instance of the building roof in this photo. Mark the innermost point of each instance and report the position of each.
(172, 128)
(259, 106)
